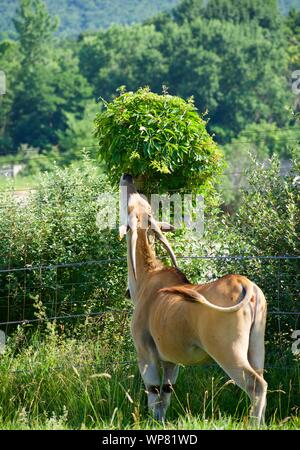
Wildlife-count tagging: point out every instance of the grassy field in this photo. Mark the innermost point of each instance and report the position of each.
(58, 382)
(18, 183)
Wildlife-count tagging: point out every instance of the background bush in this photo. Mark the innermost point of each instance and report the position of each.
(57, 224)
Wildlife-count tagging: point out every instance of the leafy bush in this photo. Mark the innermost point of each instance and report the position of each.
(54, 225)
(269, 216)
(260, 141)
(160, 139)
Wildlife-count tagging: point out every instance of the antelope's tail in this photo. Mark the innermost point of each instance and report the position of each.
(194, 296)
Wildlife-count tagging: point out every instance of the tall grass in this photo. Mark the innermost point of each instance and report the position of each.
(49, 380)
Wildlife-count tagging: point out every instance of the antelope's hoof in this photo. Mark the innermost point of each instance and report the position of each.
(159, 415)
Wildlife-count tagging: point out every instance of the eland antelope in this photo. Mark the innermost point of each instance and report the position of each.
(178, 323)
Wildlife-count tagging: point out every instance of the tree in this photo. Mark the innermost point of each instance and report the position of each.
(122, 55)
(194, 69)
(48, 83)
(35, 29)
(293, 36)
(160, 139)
(188, 10)
(265, 14)
(253, 81)
(234, 57)
(71, 89)
(10, 64)
(78, 136)
(34, 103)
(231, 56)
(236, 71)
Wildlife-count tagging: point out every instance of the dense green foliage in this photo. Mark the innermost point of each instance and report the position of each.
(160, 139)
(205, 59)
(264, 14)
(234, 58)
(123, 55)
(293, 34)
(78, 16)
(44, 83)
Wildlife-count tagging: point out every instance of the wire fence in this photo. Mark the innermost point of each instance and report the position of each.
(83, 290)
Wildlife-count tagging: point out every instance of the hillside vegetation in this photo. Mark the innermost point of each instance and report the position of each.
(82, 15)
(77, 16)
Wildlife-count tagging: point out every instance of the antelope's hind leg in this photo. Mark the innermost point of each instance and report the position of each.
(232, 356)
(256, 351)
(256, 388)
(250, 381)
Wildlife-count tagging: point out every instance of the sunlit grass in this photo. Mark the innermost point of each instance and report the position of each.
(55, 382)
(18, 183)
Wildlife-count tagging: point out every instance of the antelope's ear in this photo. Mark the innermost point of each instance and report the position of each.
(164, 226)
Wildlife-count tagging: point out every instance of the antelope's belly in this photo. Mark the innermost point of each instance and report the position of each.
(191, 355)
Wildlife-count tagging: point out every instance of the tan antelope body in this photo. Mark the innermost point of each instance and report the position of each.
(175, 322)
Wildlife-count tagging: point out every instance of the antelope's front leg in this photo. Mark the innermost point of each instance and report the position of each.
(150, 374)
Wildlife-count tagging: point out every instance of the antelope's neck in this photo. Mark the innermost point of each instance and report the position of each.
(146, 261)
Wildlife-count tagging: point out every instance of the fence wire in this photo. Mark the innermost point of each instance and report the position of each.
(80, 290)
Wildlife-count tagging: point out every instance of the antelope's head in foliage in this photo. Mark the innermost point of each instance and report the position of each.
(136, 215)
